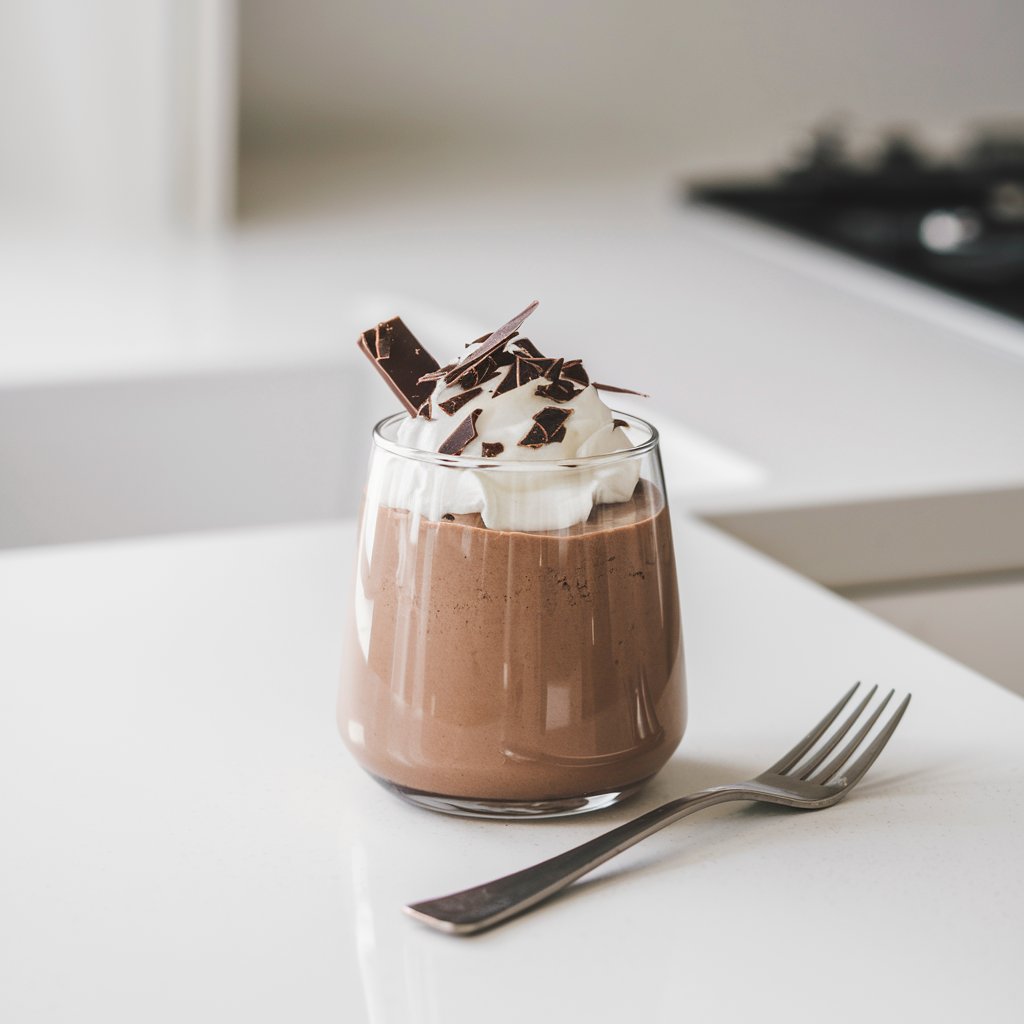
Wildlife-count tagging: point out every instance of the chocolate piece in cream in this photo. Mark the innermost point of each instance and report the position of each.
(492, 449)
(521, 372)
(543, 366)
(486, 369)
(620, 391)
(436, 374)
(401, 360)
(456, 402)
(560, 391)
(455, 443)
(573, 370)
(527, 348)
(548, 427)
(494, 341)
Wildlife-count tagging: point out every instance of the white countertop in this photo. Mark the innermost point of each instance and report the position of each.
(184, 835)
(186, 838)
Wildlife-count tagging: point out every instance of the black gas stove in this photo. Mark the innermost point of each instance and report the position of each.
(957, 224)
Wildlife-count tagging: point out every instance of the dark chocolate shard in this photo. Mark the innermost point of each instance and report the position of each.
(436, 374)
(619, 391)
(486, 369)
(484, 337)
(493, 342)
(543, 365)
(548, 427)
(527, 370)
(401, 360)
(560, 391)
(462, 435)
(554, 372)
(509, 383)
(573, 369)
(619, 423)
(456, 402)
(426, 410)
(492, 449)
(522, 371)
(527, 348)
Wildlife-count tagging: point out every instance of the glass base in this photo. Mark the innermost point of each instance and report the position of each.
(468, 807)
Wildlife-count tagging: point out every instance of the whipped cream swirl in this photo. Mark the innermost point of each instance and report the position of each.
(510, 497)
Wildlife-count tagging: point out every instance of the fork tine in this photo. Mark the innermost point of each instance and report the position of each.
(789, 759)
(847, 752)
(867, 759)
(833, 741)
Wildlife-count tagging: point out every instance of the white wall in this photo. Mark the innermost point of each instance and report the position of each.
(117, 113)
(706, 80)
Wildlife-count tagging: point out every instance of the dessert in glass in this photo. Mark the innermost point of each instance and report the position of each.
(515, 646)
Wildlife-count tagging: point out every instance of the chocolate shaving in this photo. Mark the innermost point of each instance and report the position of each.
(548, 427)
(401, 360)
(619, 391)
(492, 448)
(619, 423)
(484, 337)
(527, 347)
(521, 372)
(492, 343)
(573, 369)
(509, 383)
(456, 402)
(485, 370)
(455, 443)
(425, 410)
(437, 374)
(559, 391)
(448, 517)
(544, 366)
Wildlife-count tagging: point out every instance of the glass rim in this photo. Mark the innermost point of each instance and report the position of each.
(518, 465)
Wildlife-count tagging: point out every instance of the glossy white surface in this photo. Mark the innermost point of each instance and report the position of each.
(184, 836)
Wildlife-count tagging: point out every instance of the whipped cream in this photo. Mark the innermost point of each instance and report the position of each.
(523, 491)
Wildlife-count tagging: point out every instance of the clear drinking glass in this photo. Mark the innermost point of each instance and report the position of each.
(514, 672)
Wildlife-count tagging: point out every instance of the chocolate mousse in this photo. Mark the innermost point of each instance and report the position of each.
(516, 635)
(536, 666)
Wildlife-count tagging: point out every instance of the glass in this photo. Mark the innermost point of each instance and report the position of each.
(514, 672)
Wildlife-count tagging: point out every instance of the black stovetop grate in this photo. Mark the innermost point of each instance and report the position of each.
(958, 225)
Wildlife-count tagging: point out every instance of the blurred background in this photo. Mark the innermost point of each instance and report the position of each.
(202, 202)
(161, 112)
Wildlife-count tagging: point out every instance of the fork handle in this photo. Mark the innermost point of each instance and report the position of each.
(484, 906)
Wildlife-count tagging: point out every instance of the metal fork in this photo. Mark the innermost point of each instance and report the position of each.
(791, 781)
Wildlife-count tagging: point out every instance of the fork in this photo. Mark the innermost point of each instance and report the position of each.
(791, 782)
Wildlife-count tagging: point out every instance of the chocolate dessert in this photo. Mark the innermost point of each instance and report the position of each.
(516, 638)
